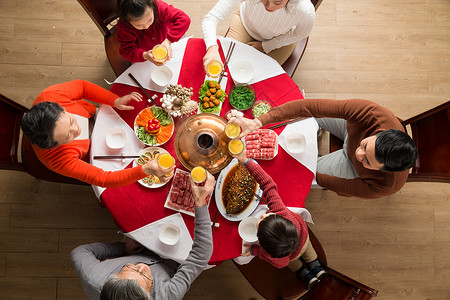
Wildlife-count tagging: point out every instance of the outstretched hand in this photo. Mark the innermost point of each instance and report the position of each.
(121, 102)
(152, 168)
(247, 125)
(211, 55)
(201, 192)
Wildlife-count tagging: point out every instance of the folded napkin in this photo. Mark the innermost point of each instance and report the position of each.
(264, 66)
(108, 118)
(262, 209)
(143, 70)
(148, 237)
(308, 127)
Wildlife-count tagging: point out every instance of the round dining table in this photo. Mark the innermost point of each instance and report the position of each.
(135, 205)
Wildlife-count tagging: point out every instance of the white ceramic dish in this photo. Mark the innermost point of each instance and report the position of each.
(218, 196)
(150, 149)
(296, 142)
(242, 71)
(116, 138)
(248, 229)
(169, 234)
(162, 75)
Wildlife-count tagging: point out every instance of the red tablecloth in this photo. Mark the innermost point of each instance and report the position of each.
(134, 206)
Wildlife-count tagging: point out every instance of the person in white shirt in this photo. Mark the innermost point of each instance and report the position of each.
(271, 26)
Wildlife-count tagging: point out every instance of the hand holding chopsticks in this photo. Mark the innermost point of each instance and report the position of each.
(142, 89)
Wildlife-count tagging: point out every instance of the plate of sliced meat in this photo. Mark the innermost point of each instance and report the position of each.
(180, 196)
(262, 144)
(235, 192)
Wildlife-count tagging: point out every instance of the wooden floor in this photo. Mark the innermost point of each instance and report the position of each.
(394, 53)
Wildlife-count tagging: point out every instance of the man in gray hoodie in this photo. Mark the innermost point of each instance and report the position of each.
(145, 275)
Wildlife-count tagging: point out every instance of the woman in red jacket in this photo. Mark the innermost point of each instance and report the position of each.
(146, 23)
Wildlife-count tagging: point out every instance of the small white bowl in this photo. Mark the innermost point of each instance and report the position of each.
(248, 229)
(169, 234)
(116, 138)
(296, 143)
(242, 71)
(162, 75)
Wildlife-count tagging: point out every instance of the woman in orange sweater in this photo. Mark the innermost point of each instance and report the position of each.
(57, 125)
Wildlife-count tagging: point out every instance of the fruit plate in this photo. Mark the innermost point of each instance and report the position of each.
(152, 153)
(219, 201)
(166, 130)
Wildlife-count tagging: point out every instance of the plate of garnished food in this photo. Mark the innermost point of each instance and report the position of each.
(153, 126)
(180, 195)
(235, 192)
(211, 96)
(146, 155)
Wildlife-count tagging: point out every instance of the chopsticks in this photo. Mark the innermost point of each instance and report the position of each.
(214, 221)
(115, 156)
(286, 123)
(260, 198)
(227, 60)
(142, 89)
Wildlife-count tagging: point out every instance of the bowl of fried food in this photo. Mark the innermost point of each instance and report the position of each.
(211, 96)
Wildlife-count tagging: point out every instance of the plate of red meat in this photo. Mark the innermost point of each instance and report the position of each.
(180, 195)
(262, 144)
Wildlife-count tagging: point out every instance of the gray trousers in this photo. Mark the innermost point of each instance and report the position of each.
(336, 163)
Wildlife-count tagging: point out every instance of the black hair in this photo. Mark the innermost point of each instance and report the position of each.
(116, 288)
(135, 9)
(278, 236)
(395, 149)
(39, 123)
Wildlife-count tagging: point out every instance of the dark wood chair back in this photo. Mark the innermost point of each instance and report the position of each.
(103, 13)
(291, 64)
(275, 284)
(11, 113)
(431, 134)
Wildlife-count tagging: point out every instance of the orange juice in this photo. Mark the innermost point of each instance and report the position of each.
(214, 68)
(160, 52)
(165, 161)
(198, 174)
(235, 146)
(232, 130)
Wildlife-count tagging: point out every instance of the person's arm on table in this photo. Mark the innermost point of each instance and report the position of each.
(201, 252)
(66, 161)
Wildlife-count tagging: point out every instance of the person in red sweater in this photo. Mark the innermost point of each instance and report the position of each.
(146, 23)
(282, 234)
(58, 127)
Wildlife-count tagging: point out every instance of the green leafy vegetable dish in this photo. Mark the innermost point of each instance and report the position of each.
(210, 96)
(242, 97)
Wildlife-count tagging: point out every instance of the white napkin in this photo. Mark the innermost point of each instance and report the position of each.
(107, 118)
(148, 237)
(142, 71)
(264, 66)
(262, 209)
(308, 127)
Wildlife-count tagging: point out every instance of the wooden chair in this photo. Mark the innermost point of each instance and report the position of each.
(10, 150)
(273, 283)
(103, 13)
(431, 135)
(291, 64)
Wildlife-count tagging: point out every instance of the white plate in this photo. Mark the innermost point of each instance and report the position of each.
(149, 149)
(157, 144)
(218, 195)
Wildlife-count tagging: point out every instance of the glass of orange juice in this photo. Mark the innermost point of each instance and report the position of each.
(160, 52)
(232, 130)
(165, 161)
(214, 68)
(235, 146)
(198, 174)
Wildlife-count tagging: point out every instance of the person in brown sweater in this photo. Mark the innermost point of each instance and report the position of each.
(377, 152)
